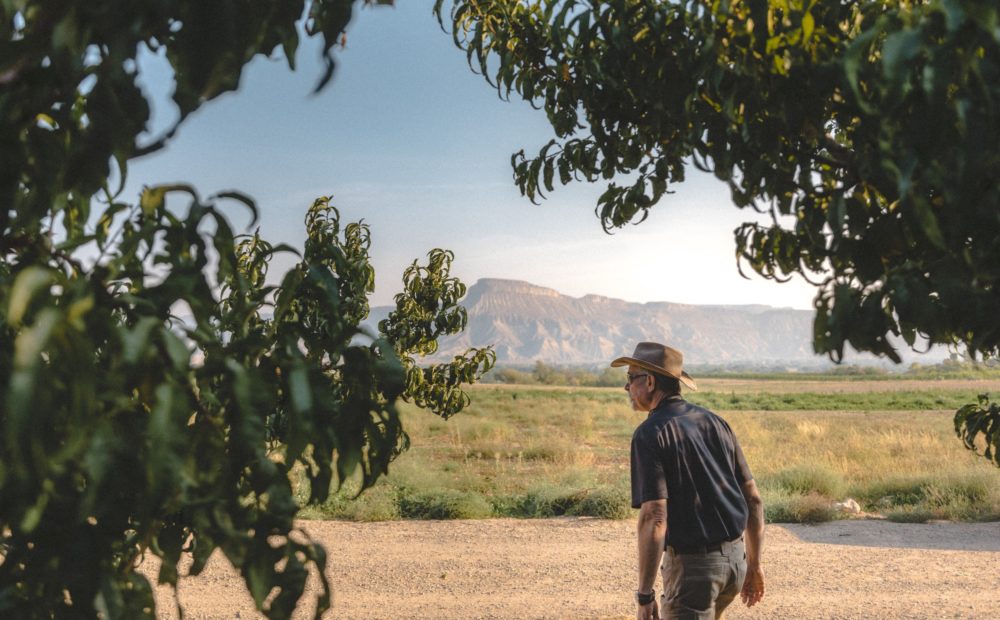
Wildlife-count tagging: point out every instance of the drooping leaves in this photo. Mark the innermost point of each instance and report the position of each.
(978, 426)
(427, 309)
(868, 131)
(873, 125)
(156, 386)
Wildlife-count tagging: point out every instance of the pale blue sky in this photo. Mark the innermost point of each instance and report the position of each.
(408, 138)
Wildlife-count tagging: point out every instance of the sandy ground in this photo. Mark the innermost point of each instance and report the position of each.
(585, 568)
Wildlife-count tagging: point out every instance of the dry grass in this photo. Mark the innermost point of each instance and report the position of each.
(540, 451)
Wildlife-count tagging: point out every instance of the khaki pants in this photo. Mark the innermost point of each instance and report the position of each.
(699, 586)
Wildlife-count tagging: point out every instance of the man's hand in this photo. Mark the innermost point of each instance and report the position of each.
(753, 586)
(648, 612)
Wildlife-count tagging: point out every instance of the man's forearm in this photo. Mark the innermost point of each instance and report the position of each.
(755, 531)
(652, 532)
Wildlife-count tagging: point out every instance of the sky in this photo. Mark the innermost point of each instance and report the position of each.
(409, 139)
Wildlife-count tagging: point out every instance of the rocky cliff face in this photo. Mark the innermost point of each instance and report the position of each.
(526, 323)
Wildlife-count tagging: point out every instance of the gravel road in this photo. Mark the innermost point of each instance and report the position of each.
(585, 568)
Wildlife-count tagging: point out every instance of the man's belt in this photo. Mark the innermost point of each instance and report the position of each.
(702, 549)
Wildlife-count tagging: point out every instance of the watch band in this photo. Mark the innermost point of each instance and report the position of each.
(645, 598)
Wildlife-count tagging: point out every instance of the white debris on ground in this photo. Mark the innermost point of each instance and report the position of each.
(848, 506)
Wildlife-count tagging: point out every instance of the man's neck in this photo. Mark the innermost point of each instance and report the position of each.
(658, 398)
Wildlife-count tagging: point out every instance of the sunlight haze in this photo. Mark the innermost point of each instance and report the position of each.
(407, 138)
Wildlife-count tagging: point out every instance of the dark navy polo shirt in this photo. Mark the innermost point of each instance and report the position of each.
(689, 456)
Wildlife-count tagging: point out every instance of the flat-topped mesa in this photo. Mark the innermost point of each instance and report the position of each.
(510, 287)
(526, 323)
(498, 293)
(598, 299)
(510, 298)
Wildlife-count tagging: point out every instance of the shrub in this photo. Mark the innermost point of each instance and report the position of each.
(812, 508)
(899, 491)
(969, 490)
(444, 504)
(916, 499)
(607, 502)
(910, 514)
(811, 479)
(550, 501)
(379, 503)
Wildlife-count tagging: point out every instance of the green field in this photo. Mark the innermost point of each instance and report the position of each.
(540, 451)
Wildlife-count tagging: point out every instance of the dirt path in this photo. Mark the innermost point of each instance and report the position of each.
(585, 568)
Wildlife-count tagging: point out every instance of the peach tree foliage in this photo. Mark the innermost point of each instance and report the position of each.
(868, 130)
(156, 388)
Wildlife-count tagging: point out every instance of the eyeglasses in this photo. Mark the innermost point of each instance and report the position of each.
(630, 377)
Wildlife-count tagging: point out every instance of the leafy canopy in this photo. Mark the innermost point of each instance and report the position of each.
(868, 130)
(156, 388)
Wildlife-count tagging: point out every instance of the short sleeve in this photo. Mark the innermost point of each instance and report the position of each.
(648, 480)
(741, 469)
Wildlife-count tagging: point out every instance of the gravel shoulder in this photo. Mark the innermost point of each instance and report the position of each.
(585, 568)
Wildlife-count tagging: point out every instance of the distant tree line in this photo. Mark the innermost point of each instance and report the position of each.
(544, 374)
(541, 373)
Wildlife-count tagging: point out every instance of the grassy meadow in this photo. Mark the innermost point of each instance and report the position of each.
(541, 451)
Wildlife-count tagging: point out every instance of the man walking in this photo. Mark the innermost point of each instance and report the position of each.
(699, 508)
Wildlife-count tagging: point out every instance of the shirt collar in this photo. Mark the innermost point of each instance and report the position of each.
(666, 402)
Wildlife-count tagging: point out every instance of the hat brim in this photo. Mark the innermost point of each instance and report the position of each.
(631, 361)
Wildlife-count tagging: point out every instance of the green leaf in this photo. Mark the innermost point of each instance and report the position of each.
(30, 343)
(169, 542)
(151, 200)
(33, 516)
(78, 310)
(178, 352)
(242, 198)
(929, 222)
(259, 575)
(899, 49)
(136, 340)
(808, 25)
(29, 283)
(298, 385)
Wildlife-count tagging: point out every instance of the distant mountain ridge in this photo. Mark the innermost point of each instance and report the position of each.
(527, 323)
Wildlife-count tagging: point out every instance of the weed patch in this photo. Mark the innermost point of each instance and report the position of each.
(552, 452)
(810, 508)
(811, 480)
(608, 502)
(444, 504)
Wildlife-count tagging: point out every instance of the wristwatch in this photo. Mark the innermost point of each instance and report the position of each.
(645, 599)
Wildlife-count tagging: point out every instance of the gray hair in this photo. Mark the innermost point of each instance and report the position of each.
(667, 385)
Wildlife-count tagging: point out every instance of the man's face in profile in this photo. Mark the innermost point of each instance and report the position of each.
(637, 384)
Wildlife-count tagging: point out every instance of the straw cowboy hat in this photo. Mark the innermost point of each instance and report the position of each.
(660, 359)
